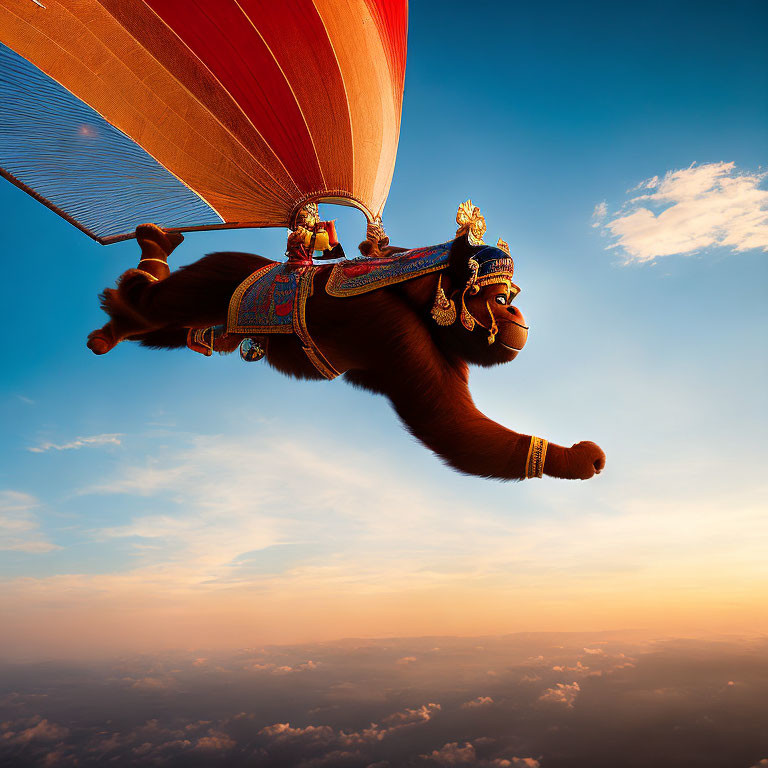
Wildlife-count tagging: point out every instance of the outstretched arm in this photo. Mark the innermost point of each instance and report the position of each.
(446, 420)
(431, 396)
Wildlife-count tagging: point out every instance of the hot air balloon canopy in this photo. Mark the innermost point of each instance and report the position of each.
(197, 114)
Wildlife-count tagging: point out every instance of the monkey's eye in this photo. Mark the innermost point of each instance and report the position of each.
(501, 299)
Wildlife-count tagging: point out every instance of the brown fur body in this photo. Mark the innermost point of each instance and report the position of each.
(385, 340)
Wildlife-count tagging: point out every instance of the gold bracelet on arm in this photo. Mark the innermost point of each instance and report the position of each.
(537, 453)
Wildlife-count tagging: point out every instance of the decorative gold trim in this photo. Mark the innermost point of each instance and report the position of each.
(503, 245)
(331, 290)
(466, 317)
(537, 454)
(197, 343)
(237, 297)
(311, 350)
(334, 197)
(444, 309)
(299, 325)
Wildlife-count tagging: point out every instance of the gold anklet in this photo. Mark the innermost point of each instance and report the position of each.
(150, 276)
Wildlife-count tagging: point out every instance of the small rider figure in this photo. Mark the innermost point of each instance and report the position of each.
(310, 234)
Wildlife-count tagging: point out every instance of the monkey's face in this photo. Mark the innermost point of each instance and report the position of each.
(496, 300)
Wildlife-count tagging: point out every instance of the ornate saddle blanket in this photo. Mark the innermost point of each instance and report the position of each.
(265, 302)
(356, 276)
(273, 300)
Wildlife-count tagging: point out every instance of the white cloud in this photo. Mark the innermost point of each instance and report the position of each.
(562, 693)
(19, 525)
(452, 754)
(480, 701)
(325, 734)
(40, 730)
(78, 442)
(579, 668)
(215, 741)
(690, 210)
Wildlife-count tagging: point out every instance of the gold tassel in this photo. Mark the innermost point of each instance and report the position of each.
(444, 309)
(494, 329)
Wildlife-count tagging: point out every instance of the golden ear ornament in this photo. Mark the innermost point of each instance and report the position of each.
(471, 223)
(444, 309)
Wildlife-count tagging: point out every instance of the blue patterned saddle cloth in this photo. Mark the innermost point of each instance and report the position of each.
(356, 276)
(266, 301)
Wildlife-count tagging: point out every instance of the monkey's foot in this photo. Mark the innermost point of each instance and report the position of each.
(100, 342)
(154, 238)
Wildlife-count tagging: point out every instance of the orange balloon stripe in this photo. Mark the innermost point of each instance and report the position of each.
(355, 39)
(392, 20)
(294, 33)
(220, 34)
(146, 27)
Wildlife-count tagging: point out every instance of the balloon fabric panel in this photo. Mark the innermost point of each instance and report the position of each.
(257, 107)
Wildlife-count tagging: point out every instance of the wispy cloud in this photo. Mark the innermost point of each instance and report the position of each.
(688, 211)
(78, 442)
(19, 527)
(221, 523)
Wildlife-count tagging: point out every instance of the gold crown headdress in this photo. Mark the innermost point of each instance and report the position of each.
(471, 223)
(486, 267)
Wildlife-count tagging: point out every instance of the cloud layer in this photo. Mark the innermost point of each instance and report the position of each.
(688, 211)
(490, 702)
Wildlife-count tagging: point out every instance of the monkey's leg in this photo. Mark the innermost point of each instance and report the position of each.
(156, 245)
(195, 296)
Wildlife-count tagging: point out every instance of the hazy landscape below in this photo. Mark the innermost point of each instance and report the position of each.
(517, 701)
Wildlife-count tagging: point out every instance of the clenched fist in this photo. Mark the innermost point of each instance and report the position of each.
(579, 462)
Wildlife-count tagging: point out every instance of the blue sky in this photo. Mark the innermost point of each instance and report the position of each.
(221, 482)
